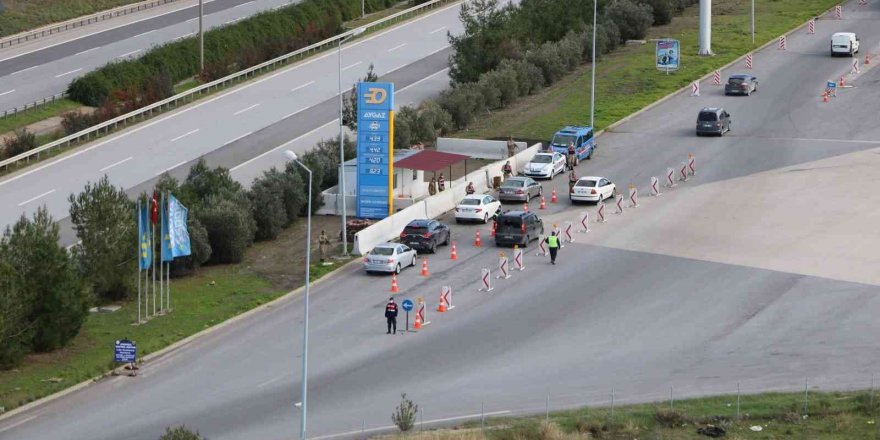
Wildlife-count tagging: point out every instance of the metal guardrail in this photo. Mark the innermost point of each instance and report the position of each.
(55, 28)
(190, 95)
(33, 105)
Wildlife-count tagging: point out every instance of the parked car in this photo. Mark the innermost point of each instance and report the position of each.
(519, 189)
(844, 43)
(545, 165)
(741, 84)
(713, 120)
(479, 207)
(389, 257)
(592, 189)
(580, 136)
(425, 235)
(518, 227)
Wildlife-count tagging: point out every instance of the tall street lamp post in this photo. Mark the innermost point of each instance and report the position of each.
(305, 353)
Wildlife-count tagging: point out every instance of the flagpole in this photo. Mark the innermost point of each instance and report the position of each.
(161, 253)
(139, 218)
(153, 261)
(168, 268)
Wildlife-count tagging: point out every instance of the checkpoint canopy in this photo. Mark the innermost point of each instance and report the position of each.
(433, 161)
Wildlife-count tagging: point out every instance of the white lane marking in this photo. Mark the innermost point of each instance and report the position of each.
(129, 53)
(87, 50)
(6, 93)
(852, 141)
(383, 428)
(117, 163)
(145, 33)
(294, 113)
(396, 47)
(353, 65)
(18, 423)
(243, 4)
(68, 73)
(35, 198)
(302, 86)
(270, 381)
(185, 135)
(422, 80)
(407, 64)
(437, 30)
(23, 70)
(170, 168)
(282, 145)
(220, 96)
(245, 109)
(238, 138)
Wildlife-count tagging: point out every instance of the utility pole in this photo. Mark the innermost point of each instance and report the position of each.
(753, 21)
(705, 27)
(593, 72)
(201, 36)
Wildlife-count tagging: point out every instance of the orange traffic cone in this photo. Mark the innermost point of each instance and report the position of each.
(825, 97)
(526, 206)
(394, 288)
(418, 323)
(425, 267)
(477, 241)
(494, 226)
(543, 205)
(553, 198)
(454, 255)
(442, 307)
(842, 81)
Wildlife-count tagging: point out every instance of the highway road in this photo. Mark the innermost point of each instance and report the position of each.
(295, 106)
(46, 66)
(640, 321)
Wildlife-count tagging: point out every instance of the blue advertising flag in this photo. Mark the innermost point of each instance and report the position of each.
(178, 234)
(144, 235)
(167, 254)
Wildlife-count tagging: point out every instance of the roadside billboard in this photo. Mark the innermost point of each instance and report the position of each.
(668, 55)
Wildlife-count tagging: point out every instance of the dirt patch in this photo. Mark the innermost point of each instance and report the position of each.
(281, 261)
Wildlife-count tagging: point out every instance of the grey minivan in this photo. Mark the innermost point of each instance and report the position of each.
(713, 120)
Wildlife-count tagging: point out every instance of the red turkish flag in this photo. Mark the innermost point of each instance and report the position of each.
(154, 209)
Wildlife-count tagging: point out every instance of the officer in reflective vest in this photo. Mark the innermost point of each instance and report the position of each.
(553, 246)
(391, 316)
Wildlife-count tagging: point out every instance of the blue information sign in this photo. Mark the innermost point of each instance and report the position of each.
(375, 149)
(125, 351)
(407, 305)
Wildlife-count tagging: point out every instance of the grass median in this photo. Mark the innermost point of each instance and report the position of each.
(19, 15)
(213, 295)
(826, 416)
(627, 80)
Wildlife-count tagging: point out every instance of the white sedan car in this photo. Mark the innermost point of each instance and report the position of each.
(479, 207)
(592, 189)
(545, 165)
(389, 257)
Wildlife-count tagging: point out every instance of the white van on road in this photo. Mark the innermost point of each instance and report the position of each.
(844, 43)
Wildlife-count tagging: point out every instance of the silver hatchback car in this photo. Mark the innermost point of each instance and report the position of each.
(389, 257)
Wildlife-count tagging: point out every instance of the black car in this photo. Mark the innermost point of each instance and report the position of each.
(425, 235)
(713, 120)
(518, 227)
(741, 84)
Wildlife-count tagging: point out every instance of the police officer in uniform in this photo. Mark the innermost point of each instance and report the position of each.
(571, 155)
(432, 187)
(553, 245)
(572, 179)
(391, 316)
(470, 188)
(323, 243)
(507, 170)
(441, 183)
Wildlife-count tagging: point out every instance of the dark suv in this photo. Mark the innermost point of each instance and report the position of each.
(518, 227)
(425, 235)
(713, 120)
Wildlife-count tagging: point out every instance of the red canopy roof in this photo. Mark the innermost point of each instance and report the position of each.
(430, 160)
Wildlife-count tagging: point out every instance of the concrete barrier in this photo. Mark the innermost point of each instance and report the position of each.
(476, 148)
(390, 227)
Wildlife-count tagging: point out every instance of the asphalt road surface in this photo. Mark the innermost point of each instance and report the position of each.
(603, 317)
(46, 67)
(291, 106)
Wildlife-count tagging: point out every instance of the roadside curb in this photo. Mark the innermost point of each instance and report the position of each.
(178, 344)
(706, 76)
